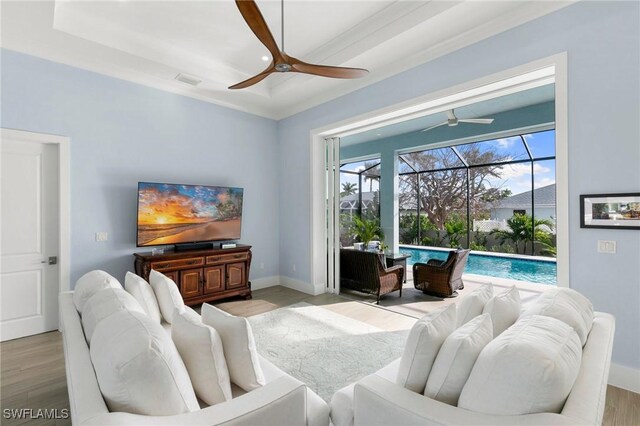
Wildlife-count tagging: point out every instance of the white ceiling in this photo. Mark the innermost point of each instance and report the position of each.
(150, 42)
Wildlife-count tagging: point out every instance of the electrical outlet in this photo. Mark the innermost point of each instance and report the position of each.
(101, 236)
(261, 265)
(293, 267)
(608, 247)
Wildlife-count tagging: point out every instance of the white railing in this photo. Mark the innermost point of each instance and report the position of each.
(489, 225)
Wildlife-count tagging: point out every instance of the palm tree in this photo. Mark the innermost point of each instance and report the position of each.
(517, 231)
(348, 188)
(370, 178)
(523, 228)
(366, 230)
(543, 237)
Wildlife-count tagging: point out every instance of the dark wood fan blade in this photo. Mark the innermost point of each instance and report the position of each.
(251, 14)
(254, 19)
(327, 71)
(255, 79)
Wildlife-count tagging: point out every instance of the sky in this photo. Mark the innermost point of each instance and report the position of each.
(351, 178)
(516, 177)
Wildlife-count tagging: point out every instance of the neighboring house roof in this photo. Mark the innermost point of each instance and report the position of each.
(366, 196)
(350, 202)
(543, 197)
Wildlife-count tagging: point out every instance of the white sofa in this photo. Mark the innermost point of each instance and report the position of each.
(282, 401)
(378, 400)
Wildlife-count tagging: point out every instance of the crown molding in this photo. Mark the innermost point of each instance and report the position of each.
(407, 29)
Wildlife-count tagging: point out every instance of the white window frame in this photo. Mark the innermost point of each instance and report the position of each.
(548, 70)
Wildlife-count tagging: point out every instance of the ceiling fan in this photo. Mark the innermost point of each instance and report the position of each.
(281, 61)
(452, 120)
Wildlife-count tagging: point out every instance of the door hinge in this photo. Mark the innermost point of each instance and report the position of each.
(53, 260)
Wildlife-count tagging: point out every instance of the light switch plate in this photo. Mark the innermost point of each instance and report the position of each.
(101, 236)
(608, 247)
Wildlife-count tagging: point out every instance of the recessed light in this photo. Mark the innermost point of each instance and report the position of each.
(265, 58)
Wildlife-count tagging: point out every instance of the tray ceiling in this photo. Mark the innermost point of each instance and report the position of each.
(151, 42)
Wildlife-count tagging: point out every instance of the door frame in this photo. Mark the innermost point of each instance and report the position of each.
(64, 189)
(333, 211)
(532, 74)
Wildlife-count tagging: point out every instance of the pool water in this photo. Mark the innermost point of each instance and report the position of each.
(535, 271)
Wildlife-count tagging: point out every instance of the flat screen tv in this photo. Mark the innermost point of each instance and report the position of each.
(174, 214)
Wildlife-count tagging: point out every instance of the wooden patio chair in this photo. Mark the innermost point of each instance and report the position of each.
(365, 272)
(441, 278)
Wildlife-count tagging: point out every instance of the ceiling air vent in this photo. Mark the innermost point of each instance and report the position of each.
(189, 79)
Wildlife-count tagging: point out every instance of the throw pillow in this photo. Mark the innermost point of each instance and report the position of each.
(239, 347)
(471, 305)
(530, 368)
(504, 309)
(456, 358)
(143, 293)
(201, 350)
(138, 367)
(91, 283)
(424, 341)
(167, 294)
(566, 305)
(105, 303)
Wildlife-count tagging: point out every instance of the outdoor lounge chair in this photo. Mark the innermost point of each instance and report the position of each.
(365, 271)
(441, 278)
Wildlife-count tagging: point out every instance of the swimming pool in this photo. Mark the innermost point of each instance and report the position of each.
(535, 271)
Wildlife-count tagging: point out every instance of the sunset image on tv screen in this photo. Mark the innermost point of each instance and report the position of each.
(172, 214)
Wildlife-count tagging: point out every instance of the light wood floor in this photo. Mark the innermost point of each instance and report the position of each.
(32, 368)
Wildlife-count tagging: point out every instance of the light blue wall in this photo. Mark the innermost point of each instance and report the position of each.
(603, 45)
(122, 133)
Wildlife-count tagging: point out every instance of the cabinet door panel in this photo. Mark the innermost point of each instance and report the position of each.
(190, 280)
(214, 279)
(173, 275)
(236, 275)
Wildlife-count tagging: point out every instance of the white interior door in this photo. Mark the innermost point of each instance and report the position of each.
(30, 238)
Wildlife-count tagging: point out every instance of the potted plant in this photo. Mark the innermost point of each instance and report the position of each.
(366, 230)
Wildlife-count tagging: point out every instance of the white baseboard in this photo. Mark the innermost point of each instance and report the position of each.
(302, 286)
(260, 283)
(624, 377)
(305, 287)
(320, 289)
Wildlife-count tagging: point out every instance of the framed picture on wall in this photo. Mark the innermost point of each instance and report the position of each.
(610, 211)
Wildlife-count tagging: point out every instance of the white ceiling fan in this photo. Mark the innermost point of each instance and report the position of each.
(452, 120)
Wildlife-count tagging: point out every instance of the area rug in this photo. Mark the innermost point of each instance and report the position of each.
(323, 349)
(414, 303)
